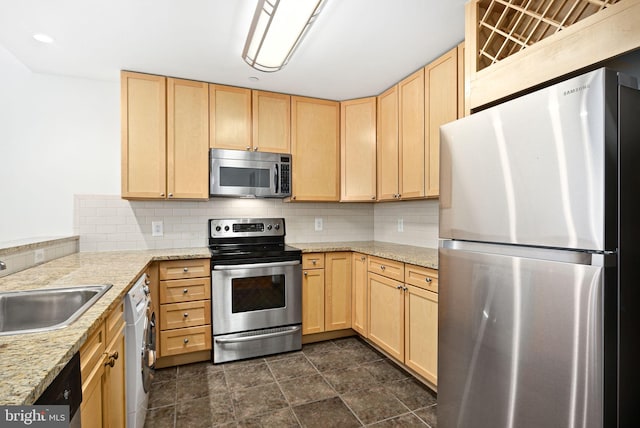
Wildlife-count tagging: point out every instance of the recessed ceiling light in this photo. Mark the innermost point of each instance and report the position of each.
(43, 38)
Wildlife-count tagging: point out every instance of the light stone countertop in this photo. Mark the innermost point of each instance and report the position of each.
(29, 362)
(421, 256)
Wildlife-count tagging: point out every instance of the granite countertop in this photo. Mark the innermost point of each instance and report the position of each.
(421, 256)
(29, 362)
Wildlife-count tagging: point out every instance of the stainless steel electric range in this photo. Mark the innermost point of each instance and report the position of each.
(256, 289)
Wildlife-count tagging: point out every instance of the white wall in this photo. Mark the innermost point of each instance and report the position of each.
(58, 136)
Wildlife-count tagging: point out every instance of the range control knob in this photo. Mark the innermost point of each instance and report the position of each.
(218, 228)
(277, 226)
(269, 227)
(226, 228)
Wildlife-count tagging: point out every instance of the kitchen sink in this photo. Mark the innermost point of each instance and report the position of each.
(42, 310)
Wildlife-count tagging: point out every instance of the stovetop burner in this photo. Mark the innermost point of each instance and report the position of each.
(254, 240)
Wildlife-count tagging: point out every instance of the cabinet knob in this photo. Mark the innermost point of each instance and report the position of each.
(373, 198)
(399, 287)
(186, 340)
(147, 281)
(314, 262)
(305, 273)
(382, 267)
(255, 149)
(363, 258)
(293, 197)
(186, 314)
(162, 194)
(248, 148)
(428, 279)
(171, 195)
(404, 289)
(186, 269)
(185, 291)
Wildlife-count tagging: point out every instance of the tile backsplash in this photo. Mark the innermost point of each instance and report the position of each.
(19, 256)
(107, 222)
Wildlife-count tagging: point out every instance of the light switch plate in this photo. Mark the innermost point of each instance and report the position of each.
(38, 256)
(318, 224)
(156, 228)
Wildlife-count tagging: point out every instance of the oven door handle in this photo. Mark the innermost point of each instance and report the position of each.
(256, 265)
(289, 330)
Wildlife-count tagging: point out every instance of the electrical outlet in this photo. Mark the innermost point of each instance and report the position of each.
(38, 256)
(400, 225)
(156, 228)
(318, 224)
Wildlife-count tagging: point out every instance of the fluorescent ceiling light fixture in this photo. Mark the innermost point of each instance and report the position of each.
(43, 38)
(278, 27)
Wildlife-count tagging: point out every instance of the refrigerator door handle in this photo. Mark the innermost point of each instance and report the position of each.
(605, 258)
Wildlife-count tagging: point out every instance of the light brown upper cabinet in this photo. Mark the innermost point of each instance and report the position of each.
(187, 139)
(411, 135)
(387, 145)
(229, 117)
(144, 148)
(271, 122)
(358, 150)
(165, 133)
(441, 106)
(315, 149)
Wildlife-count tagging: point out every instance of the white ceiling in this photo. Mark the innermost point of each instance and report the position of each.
(356, 48)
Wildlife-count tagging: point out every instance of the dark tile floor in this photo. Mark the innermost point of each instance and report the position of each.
(338, 383)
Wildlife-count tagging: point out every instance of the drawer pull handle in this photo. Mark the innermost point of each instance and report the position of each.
(112, 359)
(186, 314)
(305, 273)
(428, 279)
(363, 258)
(399, 287)
(186, 340)
(382, 267)
(185, 291)
(313, 261)
(186, 269)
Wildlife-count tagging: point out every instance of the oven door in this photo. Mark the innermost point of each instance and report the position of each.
(256, 296)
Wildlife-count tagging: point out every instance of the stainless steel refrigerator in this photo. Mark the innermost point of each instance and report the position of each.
(539, 259)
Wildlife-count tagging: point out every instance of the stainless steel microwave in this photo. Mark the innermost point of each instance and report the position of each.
(249, 174)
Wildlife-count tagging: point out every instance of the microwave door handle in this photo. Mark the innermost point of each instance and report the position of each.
(275, 177)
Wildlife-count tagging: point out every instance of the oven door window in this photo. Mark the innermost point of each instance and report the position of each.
(244, 177)
(257, 293)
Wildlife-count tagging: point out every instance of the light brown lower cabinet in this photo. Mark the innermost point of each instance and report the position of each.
(359, 294)
(403, 318)
(102, 360)
(326, 292)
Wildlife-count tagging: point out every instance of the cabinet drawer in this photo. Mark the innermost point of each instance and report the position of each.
(385, 267)
(185, 340)
(313, 261)
(91, 354)
(421, 277)
(115, 322)
(189, 314)
(183, 269)
(185, 290)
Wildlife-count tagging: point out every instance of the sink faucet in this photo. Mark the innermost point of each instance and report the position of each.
(3, 266)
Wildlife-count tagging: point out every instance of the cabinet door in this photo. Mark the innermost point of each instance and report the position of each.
(114, 403)
(313, 301)
(359, 294)
(386, 314)
(91, 407)
(337, 289)
(187, 139)
(441, 106)
(387, 145)
(143, 127)
(411, 135)
(271, 122)
(462, 110)
(421, 332)
(229, 117)
(315, 149)
(358, 149)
